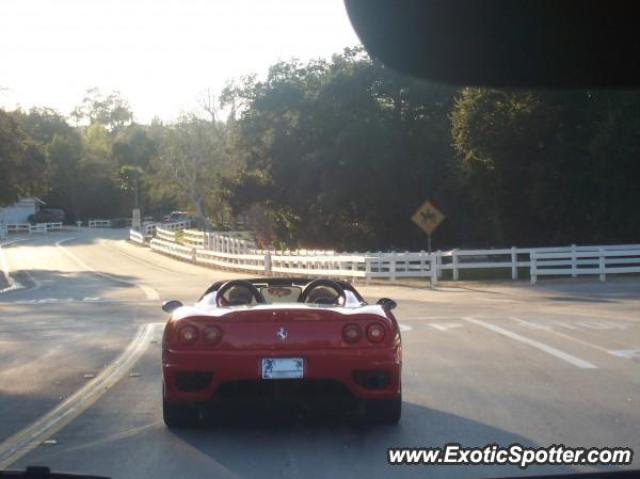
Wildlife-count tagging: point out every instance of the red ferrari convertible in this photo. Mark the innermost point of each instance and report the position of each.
(291, 337)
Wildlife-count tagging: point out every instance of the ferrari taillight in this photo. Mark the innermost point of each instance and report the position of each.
(375, 332)
(212, 334)
(352, 333)
(187, 334)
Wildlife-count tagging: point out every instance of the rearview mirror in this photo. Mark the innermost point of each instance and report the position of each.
(387, 304)
(171, 305)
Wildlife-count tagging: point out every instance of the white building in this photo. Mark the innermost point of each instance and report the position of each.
(20, 211)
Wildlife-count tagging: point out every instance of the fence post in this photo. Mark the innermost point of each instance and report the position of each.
(439, 264)
(267, 262)
(602, 264)
(532, 266)
(574, 262)
(433, 267)
(367, 269)
(354, 268)
(454, 263)
(392, 267)
(514, 263)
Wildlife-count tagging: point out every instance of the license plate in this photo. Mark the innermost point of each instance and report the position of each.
(282, 368)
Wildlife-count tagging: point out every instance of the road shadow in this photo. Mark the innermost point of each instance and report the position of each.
(286, 444)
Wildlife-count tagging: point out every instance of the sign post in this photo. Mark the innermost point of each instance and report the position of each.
(428, 218)
(136, 222)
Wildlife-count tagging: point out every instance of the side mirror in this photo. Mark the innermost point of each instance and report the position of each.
(171, 305)
(387, 304)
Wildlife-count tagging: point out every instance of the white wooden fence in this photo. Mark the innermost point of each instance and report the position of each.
(218, 250)
(136, 236)
(28, 228)
(165, 234)
(195, 238)
(177, 226)
(590, 260)
(173, 249)
(230, 244)
(99, 224)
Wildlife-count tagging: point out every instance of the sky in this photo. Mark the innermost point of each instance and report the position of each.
(162, 55)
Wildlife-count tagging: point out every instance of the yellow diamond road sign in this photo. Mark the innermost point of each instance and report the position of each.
(428, 217)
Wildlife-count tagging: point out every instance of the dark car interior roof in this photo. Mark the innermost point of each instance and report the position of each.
(293, 281)
(504, 43)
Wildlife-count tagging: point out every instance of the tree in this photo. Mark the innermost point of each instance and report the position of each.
(61, 145)
(551, 167)
(190, 164)
(112, 110)
(133, 150)
(341, 153)
(22, 163)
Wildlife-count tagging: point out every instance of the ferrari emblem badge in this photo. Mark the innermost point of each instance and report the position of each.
(282, 334)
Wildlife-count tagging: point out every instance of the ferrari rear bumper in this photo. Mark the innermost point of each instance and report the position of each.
(197, 376)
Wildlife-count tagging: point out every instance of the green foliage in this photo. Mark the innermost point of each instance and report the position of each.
(22, 163)
(346, 150)
(340, 153)
(111, 111)
(190, 165)
(551, 167)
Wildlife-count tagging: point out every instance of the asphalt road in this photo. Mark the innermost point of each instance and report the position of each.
(558, 363)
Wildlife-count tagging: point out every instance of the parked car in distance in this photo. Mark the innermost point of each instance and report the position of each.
(47, 215)
(176, 216)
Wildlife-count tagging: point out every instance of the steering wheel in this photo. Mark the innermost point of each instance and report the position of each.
(327, 283)
(221, 302)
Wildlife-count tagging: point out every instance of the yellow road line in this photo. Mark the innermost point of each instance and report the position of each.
(24, 441)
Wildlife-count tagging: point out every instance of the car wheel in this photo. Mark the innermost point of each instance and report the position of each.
(179, 415)
(383, 411)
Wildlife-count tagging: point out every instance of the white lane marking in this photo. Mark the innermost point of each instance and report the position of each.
(445, 326)
(404, 327)
(24, 441)
(620, 353)
(549, 329)
(626, 353)
(72, 300)
(13, 284)
(428, 318)
(580, 363)
(4, 265)
(149, 292)
(497, 300)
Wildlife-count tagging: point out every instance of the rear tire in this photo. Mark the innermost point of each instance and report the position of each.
(383, 411)
(179, 415)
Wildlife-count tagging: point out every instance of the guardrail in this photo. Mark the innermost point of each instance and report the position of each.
(99, 224)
